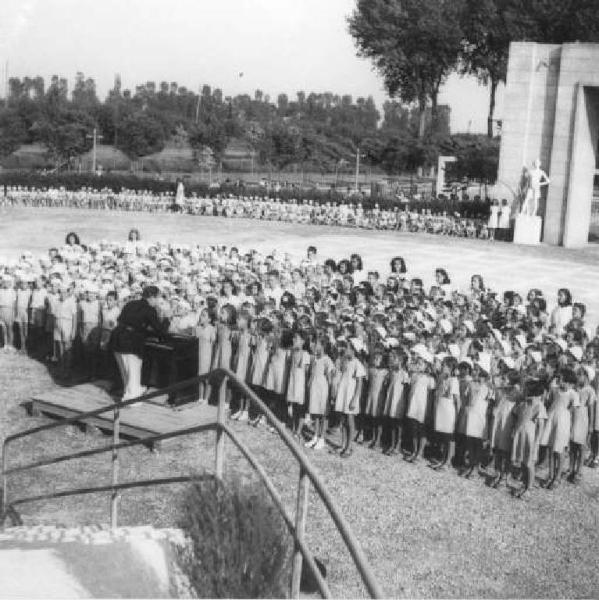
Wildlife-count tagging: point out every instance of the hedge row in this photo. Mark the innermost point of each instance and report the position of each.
(470, 209)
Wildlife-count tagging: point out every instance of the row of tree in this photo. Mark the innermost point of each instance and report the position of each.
(320, 131)
(417, 44)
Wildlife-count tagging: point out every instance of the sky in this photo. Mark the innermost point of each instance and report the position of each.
(277, 46)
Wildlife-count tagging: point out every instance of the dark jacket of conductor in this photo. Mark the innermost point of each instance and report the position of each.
(137, 321)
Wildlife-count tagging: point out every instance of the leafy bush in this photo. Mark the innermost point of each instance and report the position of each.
(241, 547)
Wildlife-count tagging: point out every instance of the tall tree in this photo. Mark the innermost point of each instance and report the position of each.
(490, 25)
(414, 44)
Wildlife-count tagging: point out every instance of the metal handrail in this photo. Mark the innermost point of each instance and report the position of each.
(307, 473)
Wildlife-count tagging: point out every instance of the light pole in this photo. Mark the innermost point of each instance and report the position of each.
(95, 138)
(357, 166)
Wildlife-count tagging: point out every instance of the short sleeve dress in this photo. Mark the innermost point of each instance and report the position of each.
(528, 416)
(298, 365)
(222, 353)
(206, 338)
(580, 416)
(395, 397)
(321, 370)
(241, 360)
(375, 399)
(556, 433)
(445, 406)
(502, 424)
(259, 362)
(350, 373)
(420, 386)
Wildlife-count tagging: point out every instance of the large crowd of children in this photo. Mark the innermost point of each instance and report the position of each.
(343, 214)
(471, 379)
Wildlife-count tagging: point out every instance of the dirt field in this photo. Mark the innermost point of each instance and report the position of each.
(426, 534)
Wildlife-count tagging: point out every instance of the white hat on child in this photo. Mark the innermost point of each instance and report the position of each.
(576, 352)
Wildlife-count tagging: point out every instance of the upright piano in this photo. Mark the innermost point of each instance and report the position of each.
(170, 360)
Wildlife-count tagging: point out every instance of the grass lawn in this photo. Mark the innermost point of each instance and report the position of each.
(426, 534)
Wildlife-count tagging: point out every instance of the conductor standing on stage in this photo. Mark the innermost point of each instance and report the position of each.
(137, 320)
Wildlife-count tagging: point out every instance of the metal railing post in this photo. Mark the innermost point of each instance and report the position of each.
(219, 458)
(114, 496)
(4, 484)
(301, 514)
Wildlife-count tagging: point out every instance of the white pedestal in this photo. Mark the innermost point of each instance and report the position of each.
(527, 230)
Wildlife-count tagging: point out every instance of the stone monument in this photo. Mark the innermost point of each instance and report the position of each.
(551, 111)
(527, 229)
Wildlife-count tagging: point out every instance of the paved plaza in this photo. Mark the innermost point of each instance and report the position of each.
(503, 266)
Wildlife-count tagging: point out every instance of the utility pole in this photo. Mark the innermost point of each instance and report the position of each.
(357, 166)
(95, 138)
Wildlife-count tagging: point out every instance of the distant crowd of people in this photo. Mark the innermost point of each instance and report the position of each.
(497, 384)
(496, 226)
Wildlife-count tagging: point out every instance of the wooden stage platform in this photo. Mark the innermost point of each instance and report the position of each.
(150, 418)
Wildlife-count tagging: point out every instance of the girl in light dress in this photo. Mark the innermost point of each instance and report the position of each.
(375, 399)
(110, 312)
(556, 433)
(395, 399)
(421, 384)
(349, 383)
(529, 421)
(299, 363)
(493, 222)
(593, 460)
(223, 349)
(475, 417)
(65, 327)
(322, 370)
(447, 402)
(261, 347)
(206, 334)
(242, 343)
(38, 314)
(277, 373)
(23, 299)
(90, 315)
(8, 300)
(507, 394)
(581, 416)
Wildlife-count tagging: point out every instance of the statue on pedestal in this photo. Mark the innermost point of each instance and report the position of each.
(536, 178)
(180, 196)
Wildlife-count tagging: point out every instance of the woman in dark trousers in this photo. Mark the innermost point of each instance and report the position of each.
(137, 320)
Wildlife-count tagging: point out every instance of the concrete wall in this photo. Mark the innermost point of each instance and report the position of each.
(549, 114)
(529, 109)
(578, 68)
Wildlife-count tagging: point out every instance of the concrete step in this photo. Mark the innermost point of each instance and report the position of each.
(91, 561)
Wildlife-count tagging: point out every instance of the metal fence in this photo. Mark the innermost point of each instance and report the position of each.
(307, 475)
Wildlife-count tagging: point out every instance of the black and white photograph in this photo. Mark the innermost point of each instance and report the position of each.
(299, 299)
